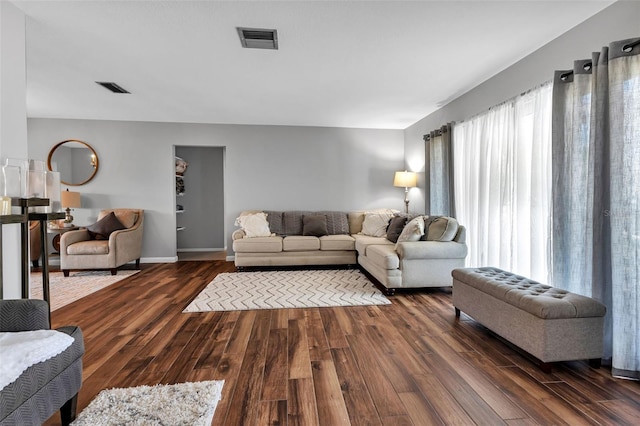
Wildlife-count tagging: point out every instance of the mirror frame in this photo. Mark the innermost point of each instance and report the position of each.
(93, 152)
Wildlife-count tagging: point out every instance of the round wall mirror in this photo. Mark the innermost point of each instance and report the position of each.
(76, 161)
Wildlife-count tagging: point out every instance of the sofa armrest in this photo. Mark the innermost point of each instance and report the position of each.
(126, 244)
(125, 237)
(24, 315)
(238, 234)
(431, 250)
(72, 237)
(461, 235)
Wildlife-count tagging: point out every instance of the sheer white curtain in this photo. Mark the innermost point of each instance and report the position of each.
(502, 184)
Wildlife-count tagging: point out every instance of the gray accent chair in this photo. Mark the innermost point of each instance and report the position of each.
(45, 387)
(79, 251)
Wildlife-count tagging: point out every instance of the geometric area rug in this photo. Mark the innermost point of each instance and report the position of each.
(191, 403)
(287, 289)
(78, 284)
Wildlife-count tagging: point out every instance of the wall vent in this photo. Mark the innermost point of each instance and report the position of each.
(112, 86)
(258, 38)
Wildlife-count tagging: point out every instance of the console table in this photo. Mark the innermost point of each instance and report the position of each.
(23, 219)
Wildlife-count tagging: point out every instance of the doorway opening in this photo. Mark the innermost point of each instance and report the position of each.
(200, 203)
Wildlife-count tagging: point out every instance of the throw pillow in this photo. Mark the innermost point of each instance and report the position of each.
(413, 231)
(126, 217)
(396, 225)
(314, 225)
(442, 228)
(375, 224)
(254, 225)
(337, 222)
(104, 227)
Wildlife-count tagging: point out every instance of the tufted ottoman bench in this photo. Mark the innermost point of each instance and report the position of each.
(549, 323)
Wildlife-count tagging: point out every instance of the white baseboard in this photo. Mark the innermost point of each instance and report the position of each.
(173, 259)
(56, 260)
(197, 250)
(230, 258)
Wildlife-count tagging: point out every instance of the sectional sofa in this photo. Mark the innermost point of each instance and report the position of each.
(396, 250)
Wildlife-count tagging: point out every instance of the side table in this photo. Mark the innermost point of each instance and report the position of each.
(43, 218)
(58, 231)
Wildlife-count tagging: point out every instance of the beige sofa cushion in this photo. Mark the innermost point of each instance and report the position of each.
(258, 245)
(355, 221)
(300, 243)
(337, 242)
(384, 256)
(364, 241)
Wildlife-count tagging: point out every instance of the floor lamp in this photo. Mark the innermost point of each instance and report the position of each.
(407, 180)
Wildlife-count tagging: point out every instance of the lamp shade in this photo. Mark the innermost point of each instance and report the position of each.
(70, 199)
(405, 179)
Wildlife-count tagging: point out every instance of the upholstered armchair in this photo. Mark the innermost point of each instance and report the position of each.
(44, 387)
(103, 245)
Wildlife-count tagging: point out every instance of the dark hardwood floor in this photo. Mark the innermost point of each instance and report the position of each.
(408, 363)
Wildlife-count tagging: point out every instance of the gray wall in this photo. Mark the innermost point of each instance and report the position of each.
(619, 21)
(266, 167)
(203, 200)
(13, 128)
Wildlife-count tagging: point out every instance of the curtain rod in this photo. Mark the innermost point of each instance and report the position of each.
(539, 86)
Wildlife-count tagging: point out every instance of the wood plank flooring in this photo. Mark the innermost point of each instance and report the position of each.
(408, 363)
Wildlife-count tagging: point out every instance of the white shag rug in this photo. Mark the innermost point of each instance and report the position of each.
(64, 290)
(287, 289)
(186, 404)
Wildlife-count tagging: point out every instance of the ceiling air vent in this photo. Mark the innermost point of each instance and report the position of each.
(112, 86)
(258, 38)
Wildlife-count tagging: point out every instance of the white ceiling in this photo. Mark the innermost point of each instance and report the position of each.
(369, 64)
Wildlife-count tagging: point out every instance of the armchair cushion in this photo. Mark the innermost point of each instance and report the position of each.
(104, 227)
(89, 247)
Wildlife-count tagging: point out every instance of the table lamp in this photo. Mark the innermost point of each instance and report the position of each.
(69, 200)
(407, 180)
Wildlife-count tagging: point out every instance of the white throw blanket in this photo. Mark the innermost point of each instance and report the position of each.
(21, 350)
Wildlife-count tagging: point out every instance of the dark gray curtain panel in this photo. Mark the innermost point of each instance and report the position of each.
(596, 192)
(438, 150)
